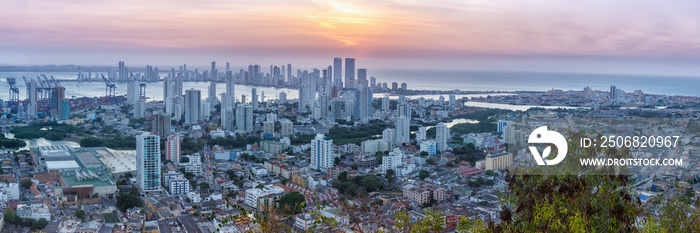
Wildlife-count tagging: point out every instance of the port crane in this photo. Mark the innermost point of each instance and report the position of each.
(43, 88)
(26, 83)
(14, 91)
(110, 88)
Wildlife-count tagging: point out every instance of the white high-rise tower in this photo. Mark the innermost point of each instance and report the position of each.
(148, 162)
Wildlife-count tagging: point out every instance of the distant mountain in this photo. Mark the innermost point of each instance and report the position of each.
(53, 68)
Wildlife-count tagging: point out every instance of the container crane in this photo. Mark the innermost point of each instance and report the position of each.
(110, 88)
(14, 91)
(26, 83)
(43, 89)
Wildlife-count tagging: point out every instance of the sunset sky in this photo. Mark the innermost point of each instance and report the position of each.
(599, 36)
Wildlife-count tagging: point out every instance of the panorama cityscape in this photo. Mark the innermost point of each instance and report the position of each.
(349, 116)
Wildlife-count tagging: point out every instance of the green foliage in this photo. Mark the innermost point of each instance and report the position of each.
(260, 186)
(422, 174)
(292, 203)
(40, 224)
(54, 132)
(229, 142)
(204, 185)
(116, 142)
(466, 225)
(371, 183)
(343, 176)
(558, 203)
(424, 153)
(80, 214)
(484, 126)
(431, 161)
(11, 143)
(344, 135)
(25, 184)
(127, 200)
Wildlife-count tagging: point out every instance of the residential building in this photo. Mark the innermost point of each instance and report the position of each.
(148, 162)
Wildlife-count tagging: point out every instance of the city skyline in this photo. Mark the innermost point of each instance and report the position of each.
(595, 37)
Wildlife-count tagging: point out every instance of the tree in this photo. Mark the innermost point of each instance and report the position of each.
(25, 184)
(390, 172)
(343, 176)
(260, 186)
(431, 161)
(336, 161)
(354, 166)
(379, 155)
(91, 142)
(422, 174)
(184, 159)
(80, 214)
(370, 183)
(204, 185)
(292, 203)
(40, 224)
(389, 179)
(127, 201)
(424, 153)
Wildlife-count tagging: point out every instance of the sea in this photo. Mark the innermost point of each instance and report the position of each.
(486, 81)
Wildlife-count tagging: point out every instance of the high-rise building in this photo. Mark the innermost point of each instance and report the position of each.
(282, 97)
(613, 91)
(338, 71)
(230, 92)
(213, 73)
(442, 134)
(148, 162)
(132, 91)
(244, 118)
(421, 134)
(452, 100)
(212, 90)
(60, 107)
(403, 129)
(269, 127)
(385, 103)
(254, 99)
(31, 108)
(20, 111)
(160, 124)
(501, 127)
(389, 134)
(286, 128)
(336, 108)
(139, 109)
(172, 147)
(192, 106)
(322, 153)
(404, 86)
(349, 72)
(228, 118)
(404, 110)
(362, 77)
(363, 103)
(392, 161)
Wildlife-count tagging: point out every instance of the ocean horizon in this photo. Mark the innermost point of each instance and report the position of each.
(445, 80)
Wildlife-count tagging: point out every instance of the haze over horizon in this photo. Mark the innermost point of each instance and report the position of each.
(623, 37)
